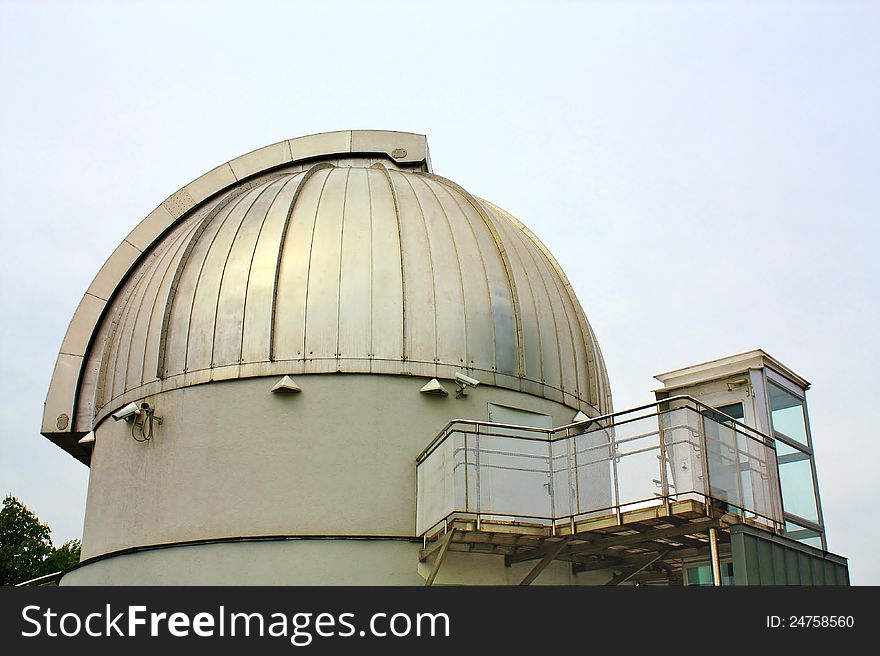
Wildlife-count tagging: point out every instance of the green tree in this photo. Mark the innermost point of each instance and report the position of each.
(26, 550)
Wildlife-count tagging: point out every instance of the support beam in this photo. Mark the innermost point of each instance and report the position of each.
(631, 571)
(606, 562)
(443, 548)
(716, 562)
(598, 546)
(546, 560)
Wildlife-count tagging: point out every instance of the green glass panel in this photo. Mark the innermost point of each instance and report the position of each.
(701, 575)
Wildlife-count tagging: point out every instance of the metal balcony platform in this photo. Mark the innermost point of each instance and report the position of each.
(641, 491)
(651, 543)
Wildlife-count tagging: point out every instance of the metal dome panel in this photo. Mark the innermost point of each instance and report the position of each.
(350, 264)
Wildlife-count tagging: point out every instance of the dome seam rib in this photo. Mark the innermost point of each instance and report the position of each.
(247, 285)
(595, 363)
(111, 347)
(372, 256)
(387, 175)
(181, 265)
(341, 256)
(155, 270)
(517, 312)
(185, 236)
(137, 301)
(460, 274)
(309, 266)
(431, 261)
(305, 177)
(542, 275)
(250, 267)
(216, 300)
(244, 218)
(106, 348)
(485, 276)
(226, 211)
(527, 284)
(120, 328)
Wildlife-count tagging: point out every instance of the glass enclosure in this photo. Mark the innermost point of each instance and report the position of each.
(797, 474)
(670, 451)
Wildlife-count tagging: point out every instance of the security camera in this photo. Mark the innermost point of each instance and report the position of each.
(466, 380)
(463, 382)
(128, 412)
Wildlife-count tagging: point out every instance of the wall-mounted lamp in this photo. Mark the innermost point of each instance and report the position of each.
(286, 385)
(434, 388)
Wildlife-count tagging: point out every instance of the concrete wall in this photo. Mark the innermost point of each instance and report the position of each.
(312, 562)
(233, 459)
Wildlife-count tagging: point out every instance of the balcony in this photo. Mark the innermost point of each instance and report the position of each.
(666, 477)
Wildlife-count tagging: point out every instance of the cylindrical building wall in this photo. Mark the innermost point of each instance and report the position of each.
(233, 460)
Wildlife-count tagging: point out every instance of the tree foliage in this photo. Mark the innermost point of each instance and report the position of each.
(26, 550)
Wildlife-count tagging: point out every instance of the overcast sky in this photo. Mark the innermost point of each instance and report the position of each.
(708, 175)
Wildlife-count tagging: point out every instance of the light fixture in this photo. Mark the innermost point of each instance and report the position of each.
(286, 386)
(434, 388)
(89, 438)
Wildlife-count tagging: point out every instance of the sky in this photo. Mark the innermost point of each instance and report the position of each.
(707, 174)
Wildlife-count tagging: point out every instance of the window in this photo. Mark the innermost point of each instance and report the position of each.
(803, 534)
(796, 469)
(787, 414)
(796, 481)
(734, 410)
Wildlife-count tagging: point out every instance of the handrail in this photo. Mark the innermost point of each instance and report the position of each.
(677, 397)
(749, 431)
(489, 446)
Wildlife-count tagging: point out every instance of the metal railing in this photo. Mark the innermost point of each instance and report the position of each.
(674, 450)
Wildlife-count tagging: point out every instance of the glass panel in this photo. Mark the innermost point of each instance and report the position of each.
(758, 472)
(593, 480)
(723, 460)
(682, 439)
(783, 449)
(701, 575)
(564, 483)
(803, 534)
(796, 481)
(787, 414)
(514, 476)
(638, 463)
(441, 482)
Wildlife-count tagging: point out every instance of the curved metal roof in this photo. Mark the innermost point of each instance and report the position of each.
(337, 262)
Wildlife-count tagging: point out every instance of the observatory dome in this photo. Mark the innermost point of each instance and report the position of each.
(340, 252)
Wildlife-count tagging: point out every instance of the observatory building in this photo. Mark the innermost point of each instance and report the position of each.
(322, 363)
